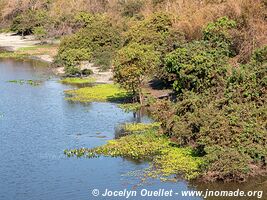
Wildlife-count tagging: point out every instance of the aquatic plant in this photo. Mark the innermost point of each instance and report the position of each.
(165, 159)
(140, 127)
(103, 92)
(135, 128)
(29, 82)
(76, 81)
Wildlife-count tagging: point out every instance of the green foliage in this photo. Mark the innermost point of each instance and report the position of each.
(131, 8)
(97, 43)
(130, 107)
(133, 64)
(76, 81)
(151, 31)
(26, 22)
(39, 32)
(29, 82)
(84, 19)
(224, 122)
(179, 161)
(228, 164)
(104, 92)
(260, 55)
(197, 66)
(218, 33)
(139, 127)
(86, 72)
(70, 58)
(165, 159)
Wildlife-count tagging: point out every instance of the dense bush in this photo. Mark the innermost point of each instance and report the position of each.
(218, 33)
(197, 66)
(157, 31)
(131, 8)
(26, 22)
(151, 31)
(96, 43)
(226, 123)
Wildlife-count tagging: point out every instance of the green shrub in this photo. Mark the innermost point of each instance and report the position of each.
(151, 31)
(228, 164)
(72, 57)
(225, 122)
(25, 22)
(260, 55)
(218, 33)
(39, 32)
(87, 72)
(197, 66)
(97, 43)
(131, 8)
(84, 19)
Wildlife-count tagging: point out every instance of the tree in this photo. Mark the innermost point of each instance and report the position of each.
(133, 64)
(27, 21)
(96, 43)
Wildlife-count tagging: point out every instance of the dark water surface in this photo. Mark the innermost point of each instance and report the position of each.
(37, 124)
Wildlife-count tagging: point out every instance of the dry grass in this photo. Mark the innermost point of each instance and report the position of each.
(190, 15)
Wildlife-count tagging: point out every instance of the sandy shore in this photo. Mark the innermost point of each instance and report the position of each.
(13, 42)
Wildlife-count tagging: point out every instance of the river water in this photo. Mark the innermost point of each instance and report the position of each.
(37, 124)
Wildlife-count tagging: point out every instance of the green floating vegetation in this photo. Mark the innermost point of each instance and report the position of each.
(140, 127)
(165, 159)
(29, 82)
(77, 81)
(130, 107)
(103, 92)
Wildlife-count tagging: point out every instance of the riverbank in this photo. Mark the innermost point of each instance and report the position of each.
(15, 46)
(13, 42)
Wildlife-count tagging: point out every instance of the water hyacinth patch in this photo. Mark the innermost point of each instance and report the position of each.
(77, 81)
(164, 158)
(28, 82)
(140, 127)
(101, 92)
